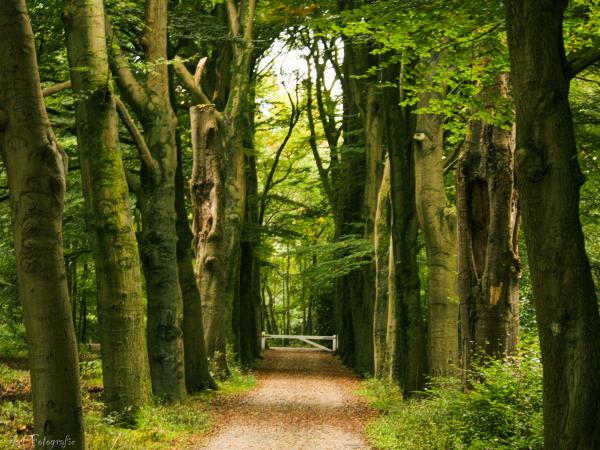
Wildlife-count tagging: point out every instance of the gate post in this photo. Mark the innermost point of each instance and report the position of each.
(263, 342)
(334, 343)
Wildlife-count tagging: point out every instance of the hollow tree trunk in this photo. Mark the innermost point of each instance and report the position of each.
(549, 179)
(208, 205)
(437, 219)
(488, 243)
(36, 177)
(125, 370)
(197, 375)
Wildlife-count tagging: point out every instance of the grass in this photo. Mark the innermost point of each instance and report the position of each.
(503, 410)
(158, 426)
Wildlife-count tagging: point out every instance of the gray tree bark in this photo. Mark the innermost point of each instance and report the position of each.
(36, 169)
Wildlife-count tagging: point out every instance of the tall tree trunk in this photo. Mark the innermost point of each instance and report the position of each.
(208, 206)
(250, 319)
(549, 179)
(437, 219)
(197, 375)
(218, 272)
(158, 238)
(488, 267)
(382, 269)
(36, 169)
(125, 370)
(406, 360)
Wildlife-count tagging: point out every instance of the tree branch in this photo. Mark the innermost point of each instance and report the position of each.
(131, 89)
(55, 89)
(192, 82)
(585, 60)
(313, 138)
(269, 184)
(138, 138)
(233, 18)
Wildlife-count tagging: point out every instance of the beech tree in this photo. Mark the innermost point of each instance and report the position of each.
(118, 273)
(549, 180)
(36, 168)
(150, 100)
(218, 182)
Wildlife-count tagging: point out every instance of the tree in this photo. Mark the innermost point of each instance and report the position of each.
(118, 274)
(218, 182)
(151, 103)
(488, 229)
(549, 180)
(437, 219)
(36, 169)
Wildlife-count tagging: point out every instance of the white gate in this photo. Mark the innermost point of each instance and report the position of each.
(307, 339)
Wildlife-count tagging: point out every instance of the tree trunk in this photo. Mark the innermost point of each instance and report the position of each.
(197, 375)
(36, 175)
(437, 219)
(250, 320)
(406, 334)
(382, 269)
(549, 179)
(489, 270)
(208, 205)
(125, 370)
(158, 238)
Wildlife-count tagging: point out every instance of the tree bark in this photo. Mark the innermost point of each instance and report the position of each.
(208, 206)
(197, 375)
(382, 270)
(488, 267)
(125, 370)
(437, 220)
(406, 362)
(158, 237)
(549, 179)
(36, 169)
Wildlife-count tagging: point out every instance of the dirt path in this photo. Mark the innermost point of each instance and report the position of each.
(304, 400)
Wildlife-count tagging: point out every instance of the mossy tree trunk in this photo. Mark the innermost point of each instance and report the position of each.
(197, 375)
(158, 241)
(36, 169)
(383, 219)
(121, 314)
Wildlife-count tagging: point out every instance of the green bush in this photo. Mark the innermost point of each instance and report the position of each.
(503, 410)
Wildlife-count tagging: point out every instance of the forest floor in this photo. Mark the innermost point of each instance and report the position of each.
(305, 399)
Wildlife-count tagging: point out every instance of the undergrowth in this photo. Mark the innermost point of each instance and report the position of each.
(157, 426)
(503, 410)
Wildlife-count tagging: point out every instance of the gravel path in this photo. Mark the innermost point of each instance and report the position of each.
(304, 400)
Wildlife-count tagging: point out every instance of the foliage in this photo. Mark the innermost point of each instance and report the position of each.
(339, 258)
(157, 426)
(503, 410)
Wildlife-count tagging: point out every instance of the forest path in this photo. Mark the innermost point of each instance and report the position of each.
(305, 400)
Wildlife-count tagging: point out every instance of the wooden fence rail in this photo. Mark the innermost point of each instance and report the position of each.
(307, 339)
